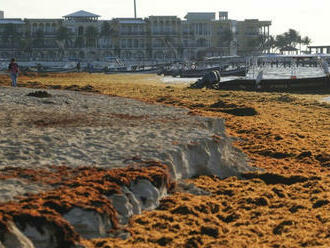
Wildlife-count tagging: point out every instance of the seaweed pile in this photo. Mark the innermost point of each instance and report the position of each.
(84, 203)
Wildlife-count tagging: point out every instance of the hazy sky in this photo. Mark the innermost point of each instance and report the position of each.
(309, 17)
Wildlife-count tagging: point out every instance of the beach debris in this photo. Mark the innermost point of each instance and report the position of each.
(233, 109)
(208, 80)
(74, 87)
(84, 203)
(282, 227)
(40, 94)
(320, 203)
(324, 159)
(272, 178)
(244, 111)
(164, 241)
(210, 231)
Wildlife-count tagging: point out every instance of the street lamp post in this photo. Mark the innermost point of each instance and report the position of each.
(135, 9)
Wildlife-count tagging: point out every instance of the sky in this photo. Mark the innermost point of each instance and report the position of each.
(309, 17)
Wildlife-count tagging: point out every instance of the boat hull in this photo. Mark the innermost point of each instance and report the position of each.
(240, 72)
(300, 84)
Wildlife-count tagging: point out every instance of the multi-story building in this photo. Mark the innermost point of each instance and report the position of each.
(250, 35)
(82, 36)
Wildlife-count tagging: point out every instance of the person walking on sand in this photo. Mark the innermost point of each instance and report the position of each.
(78, 67)
(13, 71)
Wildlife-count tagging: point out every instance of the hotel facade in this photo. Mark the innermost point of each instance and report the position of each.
(83, 36)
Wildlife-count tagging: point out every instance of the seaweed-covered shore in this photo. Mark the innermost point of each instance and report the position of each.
(287, 205)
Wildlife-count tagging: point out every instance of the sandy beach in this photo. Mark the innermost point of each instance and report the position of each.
(89, 129)
(282, 204)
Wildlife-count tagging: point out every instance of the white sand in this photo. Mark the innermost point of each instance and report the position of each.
(74, 129)
(95, 129)
(10, 188)
(177, 80)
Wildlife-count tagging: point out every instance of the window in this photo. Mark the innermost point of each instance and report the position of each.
(123, 43)
(80, 30)
(141, 43)
(41, 27)
(53, 29)
(34, 27)
(48, 28)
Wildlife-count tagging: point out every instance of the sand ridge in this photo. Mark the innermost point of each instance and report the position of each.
(88, 129)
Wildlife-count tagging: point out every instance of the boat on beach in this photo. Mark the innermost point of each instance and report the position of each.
(281, 83)
(198, 73)
(239, 72)
(135, 69)
(289, 84)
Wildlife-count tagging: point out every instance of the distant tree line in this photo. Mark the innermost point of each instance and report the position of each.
(290, 40)
(12, 38)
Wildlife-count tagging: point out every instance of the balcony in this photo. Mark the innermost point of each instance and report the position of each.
(132, 33)
(164, 33)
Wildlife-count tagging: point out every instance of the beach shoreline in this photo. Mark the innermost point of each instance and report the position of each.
(287, 136)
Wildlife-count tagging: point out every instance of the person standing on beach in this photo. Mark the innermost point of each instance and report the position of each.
(13, 71)
(78, 67)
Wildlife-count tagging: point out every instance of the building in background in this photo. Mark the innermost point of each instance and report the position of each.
(251, 35)
(82, 36)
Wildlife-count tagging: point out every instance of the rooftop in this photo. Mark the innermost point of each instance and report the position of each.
(130, 20)
(325, 46)
(200, 16)
(81, 14)
(11, 21)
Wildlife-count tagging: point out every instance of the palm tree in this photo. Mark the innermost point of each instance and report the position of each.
(270, 43)
(105, 29)
(79, 42)
(226, 37)
(91, 36)
(256, 44)
(106, 32)
(39, 39)
(290, 39)
(294, 37)
(306, 41)
(63, 35)
(27, 44)
(281, 41)
(10, 35)
(169, 43)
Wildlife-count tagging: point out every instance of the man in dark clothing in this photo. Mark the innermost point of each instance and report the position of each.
(13, 71)
(78, 67)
